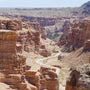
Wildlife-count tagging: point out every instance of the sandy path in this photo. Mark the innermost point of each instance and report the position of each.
(43, 62)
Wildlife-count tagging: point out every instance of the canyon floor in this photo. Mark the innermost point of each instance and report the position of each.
(51, 61)
(63, 64)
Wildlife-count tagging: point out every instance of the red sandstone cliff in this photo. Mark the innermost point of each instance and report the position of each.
(76, 36)
(29, 34)
(11, 64)
(21, 37)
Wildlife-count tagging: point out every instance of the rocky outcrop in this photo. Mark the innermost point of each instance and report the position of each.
(37, 27)
(46, 78)
(11, 65)
(7, 48)
(44, 52)
(59, 57)
(87, 45)
(13, 68)
(29, 34)
(42, 47)
(16, 73)
(77, 36)
(79, 78)
(11, 24)
(51, 78)
(28, 41)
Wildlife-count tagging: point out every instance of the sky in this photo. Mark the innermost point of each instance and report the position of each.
(42, 3)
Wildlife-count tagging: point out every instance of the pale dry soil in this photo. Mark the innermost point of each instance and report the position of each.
(77, 58)
(64, 69)
(4, 86)
(50, 61)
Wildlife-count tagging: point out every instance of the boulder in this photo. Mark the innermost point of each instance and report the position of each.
(79, 78)
(44, 52)
(42, 47)
(86, 45)
(59, 57)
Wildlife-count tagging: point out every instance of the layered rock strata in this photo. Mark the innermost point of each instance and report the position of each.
(76, 36)
(44, 52)
(29, 34)
(87, 45)
(11, 65)
(28, 41)
(13, 68)
(29, 37)
(37, 27)
(11, 24)
(46, 78)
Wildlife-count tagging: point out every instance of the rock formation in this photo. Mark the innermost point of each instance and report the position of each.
(11, 64)
(45, 52)
(76, 36)
(53, 25)
(87, 45)
(28, 41)
(59, 57)
(51, 78)
(29, 34)
(11, 24)
(24, 37)
(79, 78)
(37, 27)
(46, 78)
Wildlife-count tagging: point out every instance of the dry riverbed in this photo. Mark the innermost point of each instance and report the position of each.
(62, 69)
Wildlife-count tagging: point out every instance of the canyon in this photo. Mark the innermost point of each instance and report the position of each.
(53, 19)
(30, 61)
(76, 36)
(16, 39)
(45, 49)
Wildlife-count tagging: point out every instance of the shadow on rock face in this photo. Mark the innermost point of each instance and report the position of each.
(79, 78)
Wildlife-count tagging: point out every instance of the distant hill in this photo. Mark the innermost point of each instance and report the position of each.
(48, 12)
(85, 9)
(39, 12)
(53, 19)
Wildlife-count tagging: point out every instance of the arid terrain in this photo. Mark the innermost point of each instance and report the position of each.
(45, 49)
(53, 19)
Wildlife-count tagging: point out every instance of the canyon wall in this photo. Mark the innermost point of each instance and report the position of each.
(76, 36)
(11, 65)
(54, 26)
(29, 34)
(13, 68)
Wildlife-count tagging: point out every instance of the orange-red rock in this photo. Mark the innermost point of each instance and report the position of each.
(11, 24)
(11, 64)
(45, 52)
(76, 36)
(87, 45)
